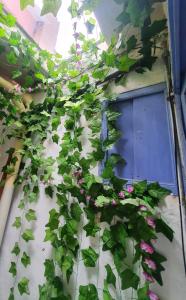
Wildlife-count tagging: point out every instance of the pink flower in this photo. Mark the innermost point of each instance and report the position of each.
(30, 89)
(150, 263)
(114, 202)
(17, 88)
(142, 208)
(130, 189)
(121, 195)
(148, 277)
(146, 247)
(150, 221)
(152, 295)
(80, 181)
(88, 198)
(81, 191)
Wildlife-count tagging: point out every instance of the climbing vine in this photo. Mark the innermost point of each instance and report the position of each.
(76, 93)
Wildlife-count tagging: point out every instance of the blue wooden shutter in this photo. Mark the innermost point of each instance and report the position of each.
(146, 139)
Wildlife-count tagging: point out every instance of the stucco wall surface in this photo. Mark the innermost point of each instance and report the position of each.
(174, 287)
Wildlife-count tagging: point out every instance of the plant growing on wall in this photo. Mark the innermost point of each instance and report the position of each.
(74, 89)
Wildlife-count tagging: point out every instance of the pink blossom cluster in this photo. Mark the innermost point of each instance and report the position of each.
(152, 295)
(18, 89)
(121, 195)
(148, 277)
(146, 247)
(150, 263)
(150, 221)
(142, 208)
(130, 189)
(114, 202)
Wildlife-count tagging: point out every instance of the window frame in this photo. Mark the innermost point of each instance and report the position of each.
(134, 94)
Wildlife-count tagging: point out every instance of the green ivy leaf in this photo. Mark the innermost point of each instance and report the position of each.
(113, 116)
(88, 292)
(138, 12)
(49, 191)
(76, 211)
(67, 266)
(119, 255)
(154, 29)
(107, 172)
(142, 293)
(50, 235)
(55, 138)
(32, 197)
(43, 292)
(25, 259)
(157, 192)
(28, 81)
(162, 227)
(140, 187)
(106, 293)
(49, 269)
(109, 58)
(16, 74)
(10, 20)
(71, 227)
(17, 222)
(11, 295)
(123, 18)
(53, 220)
(119, 233)
(108, 240)
(13, 269)
(73, 8)
(2, 32)
(25, 3)
(131, 43)
(125, 63)
(111, 278)
(23, 286)
(129, 279)
(140, 229)
(59, 253)
(28, 235)
(89, 213)
(31, 215)
(16, 249)
(89, 257)
(89, 5)
(11, 57)
(51, 7)
(102, 200)
(91, 229)
(39, 76)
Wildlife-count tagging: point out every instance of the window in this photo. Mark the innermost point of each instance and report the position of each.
(146, 140)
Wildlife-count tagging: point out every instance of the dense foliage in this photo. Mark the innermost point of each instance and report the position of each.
(75, 89)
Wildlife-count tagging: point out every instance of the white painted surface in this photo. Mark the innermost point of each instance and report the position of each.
(174, 281)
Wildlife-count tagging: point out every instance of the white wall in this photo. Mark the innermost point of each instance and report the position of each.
(174, 281)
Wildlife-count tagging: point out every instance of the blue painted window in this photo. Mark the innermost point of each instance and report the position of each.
(146, 140)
